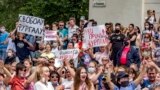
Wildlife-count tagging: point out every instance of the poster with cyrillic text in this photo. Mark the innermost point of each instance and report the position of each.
(95, 36)
(68, 54)
(31, 25)
(50, 35)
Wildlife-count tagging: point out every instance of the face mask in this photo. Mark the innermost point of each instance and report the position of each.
(117, 31)
(3, 29)
(126, 43)
(55, 44)
(124, 83)
(9, 54)
(91, 70)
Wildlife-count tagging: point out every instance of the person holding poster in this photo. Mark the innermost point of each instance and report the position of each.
(22, 46)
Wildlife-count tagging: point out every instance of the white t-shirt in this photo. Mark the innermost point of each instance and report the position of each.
(72, 31)
(40, 86)
(67, 84)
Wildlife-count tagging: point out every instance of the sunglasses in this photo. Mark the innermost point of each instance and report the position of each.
(61, 25)
(54, 76)
(51, 61)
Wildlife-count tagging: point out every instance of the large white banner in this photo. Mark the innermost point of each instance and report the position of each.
(31, 25)
(95, 36)
(68, 54)
(50, 35)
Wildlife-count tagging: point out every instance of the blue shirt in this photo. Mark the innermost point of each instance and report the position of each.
(63, 33)
(131, 86)
(3, 37)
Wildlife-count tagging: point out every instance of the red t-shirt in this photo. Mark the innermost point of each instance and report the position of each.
(123, 58)
(17, 83)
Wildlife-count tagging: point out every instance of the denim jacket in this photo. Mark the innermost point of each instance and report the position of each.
(132, 56)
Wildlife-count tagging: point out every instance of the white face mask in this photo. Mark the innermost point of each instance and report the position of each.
(3, 29)
(91, 70)
(9, 54)
(55, 44)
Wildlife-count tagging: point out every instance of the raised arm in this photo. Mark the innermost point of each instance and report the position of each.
(142, 73)
(29, 44)
(95, 78)
(152, 64)
(71, 70)
(32, 77)
(109, 82)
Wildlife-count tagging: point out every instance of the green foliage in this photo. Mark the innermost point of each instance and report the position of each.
(50, 10)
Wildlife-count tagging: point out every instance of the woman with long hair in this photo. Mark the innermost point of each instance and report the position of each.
(55, 79)
(43, 77)
(81, 80)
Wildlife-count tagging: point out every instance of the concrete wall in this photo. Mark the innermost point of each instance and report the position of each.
(123, 11)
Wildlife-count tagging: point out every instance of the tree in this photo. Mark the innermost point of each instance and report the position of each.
(50, 10)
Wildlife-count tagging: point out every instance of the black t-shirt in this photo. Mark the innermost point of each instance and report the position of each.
(117, 41)
(22, 50)
(132, 43)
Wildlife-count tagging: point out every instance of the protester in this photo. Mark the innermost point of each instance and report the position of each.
(128, 55)
(3, 45)
(116, 42)
(112, 58)
(43, 83)
(81, 80)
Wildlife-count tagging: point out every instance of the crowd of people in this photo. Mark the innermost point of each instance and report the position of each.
(130, 61)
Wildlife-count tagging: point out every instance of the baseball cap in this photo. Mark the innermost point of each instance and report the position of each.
(122, 75)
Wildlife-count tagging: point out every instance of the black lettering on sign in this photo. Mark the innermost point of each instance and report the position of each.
(31, 20)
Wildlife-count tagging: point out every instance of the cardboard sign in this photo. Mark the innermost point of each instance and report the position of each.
(50, 35)
(31, 25)
(95, 36)
(68, 54)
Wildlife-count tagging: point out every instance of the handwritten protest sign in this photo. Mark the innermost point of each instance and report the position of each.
(68, 54)
(95, 36)
(31, 25)
(50, 35)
